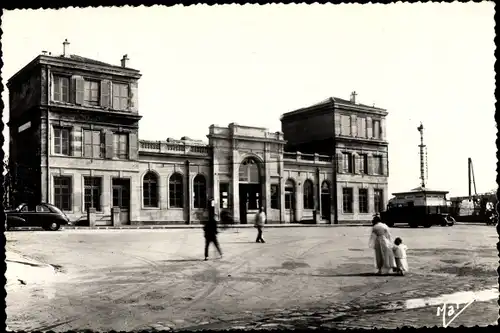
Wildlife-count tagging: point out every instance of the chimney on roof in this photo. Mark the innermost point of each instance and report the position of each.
(44, 52)
(353, 97)
(65, 47)
(124, 61)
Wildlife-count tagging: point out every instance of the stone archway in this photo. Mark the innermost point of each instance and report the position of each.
(250, 188)
(326, 201)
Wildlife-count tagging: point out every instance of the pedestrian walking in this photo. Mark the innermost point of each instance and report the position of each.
(400, 256)
(381, 242)
(260, 219)
(210, 230)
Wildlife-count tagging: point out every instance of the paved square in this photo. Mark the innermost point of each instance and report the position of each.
(301, 277)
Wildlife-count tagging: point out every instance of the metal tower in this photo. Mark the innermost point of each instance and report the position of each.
(422, 155)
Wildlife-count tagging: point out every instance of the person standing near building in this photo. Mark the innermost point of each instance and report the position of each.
(210, 230)
(260, 219)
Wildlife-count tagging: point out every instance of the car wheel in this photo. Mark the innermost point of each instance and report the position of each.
(53, 226)
(444, 222)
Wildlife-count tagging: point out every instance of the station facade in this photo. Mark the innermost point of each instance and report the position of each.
(74, 125)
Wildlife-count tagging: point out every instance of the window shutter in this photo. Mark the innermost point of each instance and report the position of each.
(55, 88)
(134, 98)
(132, 144)
(340, 163)
(78, 89)
(371, 164)
(354, 125)
(108, 138)
(337, 124)
(106, 93)
(355, 163)
(369, 128)
(384, 165)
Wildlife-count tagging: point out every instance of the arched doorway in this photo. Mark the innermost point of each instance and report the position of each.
(250, 188)
(325, 201)
(289, 201)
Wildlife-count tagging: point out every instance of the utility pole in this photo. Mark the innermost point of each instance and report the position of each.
(422, 147)
(334, 169)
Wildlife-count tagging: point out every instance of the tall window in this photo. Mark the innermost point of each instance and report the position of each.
(289, 194)
(224, 195)
(120, 96)
(363, 163)
(150, 190)
(348, 165)
(378, 200)
(92, 144)
(200, 192)
(249, 171)
(120, 145)
(345, 122)
(275, 196)
(363, 200)
(61, 89)
(362, 127)
(91, 92)
(62, 193)
(176, 191)
(61, 141)
(308, 194)
(378, 165)
(376, 129)
(347, 199)
(93, 192)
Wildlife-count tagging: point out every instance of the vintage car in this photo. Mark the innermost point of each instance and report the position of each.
(43, 215)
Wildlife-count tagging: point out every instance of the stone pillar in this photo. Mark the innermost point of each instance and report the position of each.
(235, 185)
(91, 216)
(115, 216)
(299, 200)
(266, 168)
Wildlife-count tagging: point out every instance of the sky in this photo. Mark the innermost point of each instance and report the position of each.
(431, 63)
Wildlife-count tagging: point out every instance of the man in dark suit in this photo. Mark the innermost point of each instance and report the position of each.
(210, 230)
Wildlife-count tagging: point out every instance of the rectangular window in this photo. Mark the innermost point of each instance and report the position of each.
(376, 129)
(92, 146)
(61, 89)
(62, 193)
(346, 125)
(120, 96)
(378, 200)
(378, 165)
(91, 92)
(347, 160)
(363, 163)
(120, 145)
(363, 200)
(92, 187)
(224, 195)
(275, 196)
(347, 199)
(61, 140)
(362, 127)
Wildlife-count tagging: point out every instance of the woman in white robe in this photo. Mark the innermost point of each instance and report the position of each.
(381, 242)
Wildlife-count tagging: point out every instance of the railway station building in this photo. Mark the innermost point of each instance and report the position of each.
(74, 142)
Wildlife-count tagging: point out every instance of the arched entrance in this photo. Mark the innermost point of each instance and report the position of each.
(325, 201)
(250, 188)
(289, 201)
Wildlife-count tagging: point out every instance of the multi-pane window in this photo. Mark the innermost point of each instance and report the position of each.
(120, 145)
(376, 129)
(150, 190)
(91, 92)
(200, 192)
(92, 187)
(363, 200)
(61, 89)
(345, 122)
(308, 195)
(62, 193)
(224, 195)
(347, 160)
(120, 96)
(362, 127)
(249, 172)
(92, 146)
(289, 194)
(363, 163)
(378, 165)
(347, 199)
(275, 196)
(61, 141)
(176, 191)
(378, 201)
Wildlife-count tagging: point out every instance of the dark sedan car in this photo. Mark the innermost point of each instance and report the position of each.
(44, 215)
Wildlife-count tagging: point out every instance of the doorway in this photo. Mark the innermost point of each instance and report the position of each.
(121, 198)
(325, 201)
(250, 189)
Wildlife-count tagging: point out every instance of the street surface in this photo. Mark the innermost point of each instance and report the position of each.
(301, 277)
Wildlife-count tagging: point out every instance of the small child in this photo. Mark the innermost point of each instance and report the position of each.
(400, 256)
